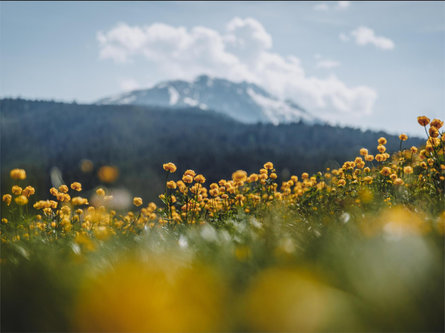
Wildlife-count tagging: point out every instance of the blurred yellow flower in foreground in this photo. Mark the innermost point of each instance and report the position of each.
(289, 300)
(108, 174)
(157, 296)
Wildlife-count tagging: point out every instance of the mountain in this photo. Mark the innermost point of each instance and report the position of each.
(244, 102)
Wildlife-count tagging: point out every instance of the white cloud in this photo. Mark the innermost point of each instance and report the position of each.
(343, 4)
(364, 36)
(343, 37)
(242, 52)
(327, 64)
(325, 7)
(321, 7)
(129, 84)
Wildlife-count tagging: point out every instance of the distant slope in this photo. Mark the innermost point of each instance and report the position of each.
(38, 135)
(245, 102)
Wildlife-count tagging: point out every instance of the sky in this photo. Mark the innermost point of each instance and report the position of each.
(372, 65)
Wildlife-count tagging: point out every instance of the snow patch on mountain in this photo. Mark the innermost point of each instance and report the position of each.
(174, 96)
(243, 101)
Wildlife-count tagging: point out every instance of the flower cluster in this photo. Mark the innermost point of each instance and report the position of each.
(405, 176)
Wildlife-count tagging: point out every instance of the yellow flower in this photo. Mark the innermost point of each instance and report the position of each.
(190, 173)
(108, 174)
(170, 167)
(423, 120)
(437, 123)
(16, 190)
(382, 141)
(434, 132)
(28, 191)
(18, 174)
(21, 200)
(273, 175)
(304, 175)
(363, 151)
(137, 201)
(76, 186)
(63, 188)
(4, 220)
(368, 179)
(398, 181)
(78, 201)
(7, 199)
(379, 158)
(385, 171)
(253, 178)
(268, 165)
(100, 192)
(408, 170)
(239, 176)
(171, 184)
(369, 158)
(200, 179)
(403, 137)
(381, 148)
(413, 149)
(188, 179)
(341, 182)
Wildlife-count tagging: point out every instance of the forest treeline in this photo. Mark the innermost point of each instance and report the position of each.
(40, 135)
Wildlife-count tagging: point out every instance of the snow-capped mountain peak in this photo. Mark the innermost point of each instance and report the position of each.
(245, 102)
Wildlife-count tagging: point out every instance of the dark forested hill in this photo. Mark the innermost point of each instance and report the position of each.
(38, 135)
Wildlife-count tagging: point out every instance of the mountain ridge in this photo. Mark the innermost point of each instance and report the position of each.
(244, 101)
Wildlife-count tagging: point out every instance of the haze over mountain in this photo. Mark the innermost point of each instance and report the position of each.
(245, 102)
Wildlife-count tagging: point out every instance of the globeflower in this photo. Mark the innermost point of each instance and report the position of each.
(171, 184)
(200, 179)
(78, 201)
(385, 171)
(188, 179)
(28, 191)
(16, 190)
(76, 186)
(408, 170)
(18, 174)
(7, 199)
(268, 165)
(382, 141)
(434, 132)
(363, 151)
(170, 167)
(100, 192)
(137, 201)
(423, 120)
(437, 123)
(21, 200)
(239, 176)
(403, 137)
(63, 188)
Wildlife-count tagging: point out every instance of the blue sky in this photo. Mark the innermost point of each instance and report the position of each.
(368, 64)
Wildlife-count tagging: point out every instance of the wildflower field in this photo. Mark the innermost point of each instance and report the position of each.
(358, 248)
